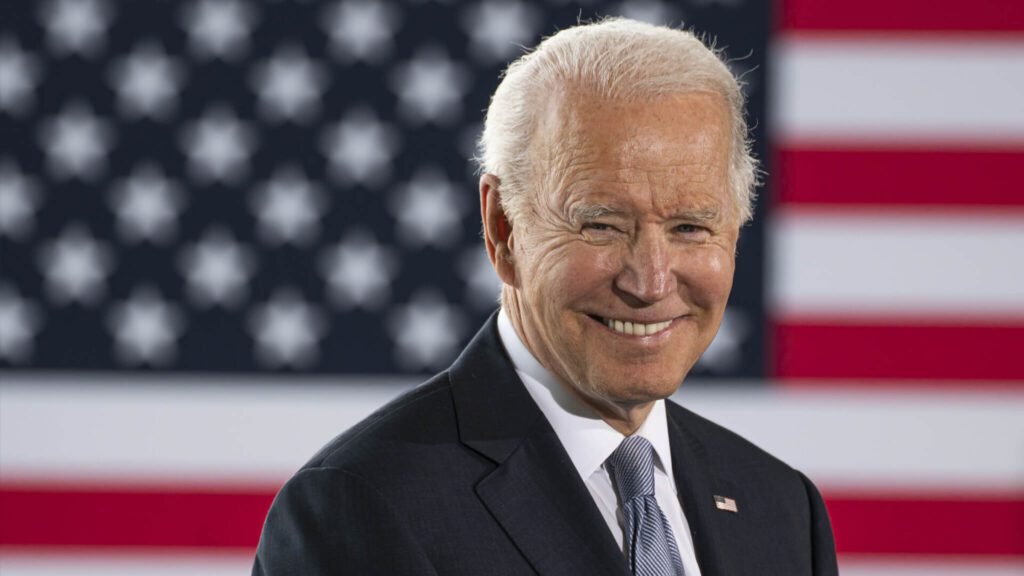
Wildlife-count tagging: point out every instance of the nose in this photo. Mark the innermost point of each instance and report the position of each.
(647, 276)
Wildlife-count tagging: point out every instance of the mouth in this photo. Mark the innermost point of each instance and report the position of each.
(632, 328)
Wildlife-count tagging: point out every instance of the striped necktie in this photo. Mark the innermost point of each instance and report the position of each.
(650, 545)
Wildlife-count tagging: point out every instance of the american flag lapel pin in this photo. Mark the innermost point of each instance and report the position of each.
(727, 504)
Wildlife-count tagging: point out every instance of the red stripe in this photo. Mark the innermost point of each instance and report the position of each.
(902, 177)
(44, 518)
(903, 15)
(40, 515)
(935, 354)
(903, 524)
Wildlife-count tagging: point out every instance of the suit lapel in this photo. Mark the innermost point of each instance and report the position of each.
(698, 483)
(534, 492)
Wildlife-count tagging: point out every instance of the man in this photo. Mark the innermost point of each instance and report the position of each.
(616, 177)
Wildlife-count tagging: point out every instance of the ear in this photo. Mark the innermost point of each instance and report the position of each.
(497, 229)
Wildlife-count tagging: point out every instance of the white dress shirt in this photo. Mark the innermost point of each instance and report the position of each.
(589, 440)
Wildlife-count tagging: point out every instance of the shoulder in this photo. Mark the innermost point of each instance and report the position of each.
(423, 414)
(724, 449)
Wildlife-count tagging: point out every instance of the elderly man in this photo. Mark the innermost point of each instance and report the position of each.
(616, 177)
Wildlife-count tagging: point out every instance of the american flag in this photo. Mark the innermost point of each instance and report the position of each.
(230, 229)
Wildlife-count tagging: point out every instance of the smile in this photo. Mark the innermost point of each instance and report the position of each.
(634, 328)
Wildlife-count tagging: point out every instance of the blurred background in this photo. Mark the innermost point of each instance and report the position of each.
(229, 230)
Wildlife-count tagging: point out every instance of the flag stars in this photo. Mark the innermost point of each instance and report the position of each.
(288, 208)
(218, 146)
(360, 29)
(499, 29)
(289, 85)
(147, 205)
(217, 269)
(430, 87)
(76, 143)
(219, 28)
(145, 328)
(19, 323)
(19, 72)
(359, 272)
(287, 330)
(426, 331)
(726, 351)
(360, 148)
(75, 266)
(19, 200)
(428, 210)
(147, 82)
(482, 283)
(76, 26)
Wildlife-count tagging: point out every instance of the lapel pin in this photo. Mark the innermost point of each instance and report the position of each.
(727, 504)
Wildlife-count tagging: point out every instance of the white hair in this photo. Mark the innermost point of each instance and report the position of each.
(614, 59)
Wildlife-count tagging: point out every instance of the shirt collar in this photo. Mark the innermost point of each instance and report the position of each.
(587, 438)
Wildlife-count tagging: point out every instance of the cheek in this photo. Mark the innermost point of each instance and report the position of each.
(708, 277)
(588, 267)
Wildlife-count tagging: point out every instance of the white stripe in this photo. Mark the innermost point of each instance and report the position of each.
(948, 566)
(130, 564)
(168, 429)
(875, 262)
(181, 431)
(861, 439)
(188, 564)
(884, 88)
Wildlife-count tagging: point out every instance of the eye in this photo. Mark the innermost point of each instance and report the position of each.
(598, 227)
(691, 231)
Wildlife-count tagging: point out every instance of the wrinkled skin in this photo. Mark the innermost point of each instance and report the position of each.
(632, 220)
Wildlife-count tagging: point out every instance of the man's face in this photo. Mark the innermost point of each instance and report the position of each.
(625, 263)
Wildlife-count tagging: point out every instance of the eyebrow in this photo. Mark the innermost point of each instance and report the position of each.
(587, 212)
(706, 214)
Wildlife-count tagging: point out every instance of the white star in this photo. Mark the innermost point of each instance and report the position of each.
(483, 287)
(725, 352)
(145, 328)
(287, 330)
(146, 82)
(650, 11)
(360, 29)
(359, 271)
(76, 26)
(218, 146)
(499, 29)
(19, 323)
(288, 208)
(76, 143)
(360, 148)
(217, 269)
(19, 199)
(426, 332)
(289, 85)
(19, 72)
(428, 210)
(75, 266)
(430, 87)
(147, 205)
(219, 28)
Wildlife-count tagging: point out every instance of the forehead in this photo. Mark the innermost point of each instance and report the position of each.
(674, 148)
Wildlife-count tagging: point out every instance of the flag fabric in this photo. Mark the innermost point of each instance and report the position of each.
(230, 229)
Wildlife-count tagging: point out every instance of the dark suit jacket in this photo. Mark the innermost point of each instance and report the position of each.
(464, 475)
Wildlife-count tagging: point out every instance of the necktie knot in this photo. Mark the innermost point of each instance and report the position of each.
(632, 468)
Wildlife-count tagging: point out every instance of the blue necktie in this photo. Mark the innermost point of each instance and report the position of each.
(650, 546)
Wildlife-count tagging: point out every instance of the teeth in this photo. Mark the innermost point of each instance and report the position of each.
(636, 328)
